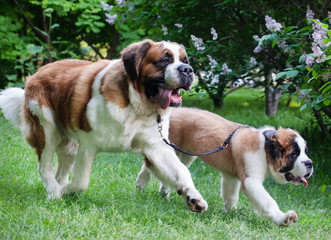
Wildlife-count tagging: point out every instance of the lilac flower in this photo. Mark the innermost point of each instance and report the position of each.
(309, 61)
(214, 33)
(106, 7)
(252, 62)
(256, 38)
(318, 53)
(319, 36)
(198, 43)
(215, 80)
(302, 95)
(258, 49)
(164, 29)
(212, 62)
(225, 69)
(272, 25)
(110, 18)
(178, 25)
(120, 3)
(309, 14)
(283, 45)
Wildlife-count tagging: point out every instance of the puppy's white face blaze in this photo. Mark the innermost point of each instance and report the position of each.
(297, 166)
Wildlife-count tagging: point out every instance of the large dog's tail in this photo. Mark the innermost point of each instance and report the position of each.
(11, 101)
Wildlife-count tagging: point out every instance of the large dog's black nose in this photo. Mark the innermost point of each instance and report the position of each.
(309, 163)
(185, 69)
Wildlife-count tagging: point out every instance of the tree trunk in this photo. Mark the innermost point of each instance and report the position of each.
(272, 98)
(320, 122)
(218, 102)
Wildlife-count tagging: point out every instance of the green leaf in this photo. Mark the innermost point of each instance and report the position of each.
(327, 102)
(280, 75)
(292, 74)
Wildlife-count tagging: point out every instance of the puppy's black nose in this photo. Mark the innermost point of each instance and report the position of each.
(186, 69)
(309, 163)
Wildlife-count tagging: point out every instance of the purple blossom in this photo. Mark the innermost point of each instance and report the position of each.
(214, 33)
(309, 61)
(258, 49)
(106, 7)
(225, 69)
(272, 25)
(252, 62)
(164, 29)
(212, 62)
(198, 43)
(120, 3)
(215, 80)
(178, 25)
(302, 95)
(309, 14)
(256, 38)
(319, 36)
(318, 53)
(283, 45)
(110, 18)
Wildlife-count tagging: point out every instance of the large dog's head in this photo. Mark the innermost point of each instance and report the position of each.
(287, 155)
(159, 70)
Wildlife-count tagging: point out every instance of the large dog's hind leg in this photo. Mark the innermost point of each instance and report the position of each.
(66, 153)
(230, 187)
(81, 171)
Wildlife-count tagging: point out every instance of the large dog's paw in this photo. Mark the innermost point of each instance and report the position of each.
(194, 201)
(53, 192)
(164, 190)
(290, 217)
(143, 179)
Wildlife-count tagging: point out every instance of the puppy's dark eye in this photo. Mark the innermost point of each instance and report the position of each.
(294, 154)
(185, 60)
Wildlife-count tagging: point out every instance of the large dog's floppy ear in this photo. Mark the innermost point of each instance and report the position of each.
(133, 55)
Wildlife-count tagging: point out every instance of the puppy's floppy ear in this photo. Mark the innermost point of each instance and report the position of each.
(133, 55)
(272, 144)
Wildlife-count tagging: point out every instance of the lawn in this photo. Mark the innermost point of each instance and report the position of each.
(112, 207)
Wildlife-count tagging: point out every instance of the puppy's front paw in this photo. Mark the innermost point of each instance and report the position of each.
(290, 217)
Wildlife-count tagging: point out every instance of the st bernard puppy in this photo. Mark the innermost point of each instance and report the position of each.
(78, 108)
(251, 156)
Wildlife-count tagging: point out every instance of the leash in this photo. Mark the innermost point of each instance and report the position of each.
(221, 147)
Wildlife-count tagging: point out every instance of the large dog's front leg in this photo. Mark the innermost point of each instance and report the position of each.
(264, 205)
(166, 166)
(81, 171)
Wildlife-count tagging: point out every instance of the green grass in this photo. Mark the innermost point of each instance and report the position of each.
(112, 207)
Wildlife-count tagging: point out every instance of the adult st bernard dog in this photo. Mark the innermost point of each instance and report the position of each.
(251, 156)
(78, 108)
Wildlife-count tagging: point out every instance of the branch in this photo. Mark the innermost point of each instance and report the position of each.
(233, 89)
(36, 30)
(90, 44)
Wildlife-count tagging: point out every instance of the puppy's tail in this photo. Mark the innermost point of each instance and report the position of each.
(11, 101)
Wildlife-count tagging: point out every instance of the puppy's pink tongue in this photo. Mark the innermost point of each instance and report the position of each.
(304, 181)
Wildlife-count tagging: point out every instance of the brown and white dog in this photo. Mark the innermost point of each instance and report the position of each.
(78, 108)
(252, 156)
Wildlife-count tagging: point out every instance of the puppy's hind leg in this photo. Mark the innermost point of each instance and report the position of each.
(230, 187)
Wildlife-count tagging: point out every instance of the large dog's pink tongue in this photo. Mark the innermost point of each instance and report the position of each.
(304, 181)
(163, 97)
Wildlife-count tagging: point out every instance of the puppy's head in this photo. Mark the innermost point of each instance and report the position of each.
(287, 156)
(159, 70)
